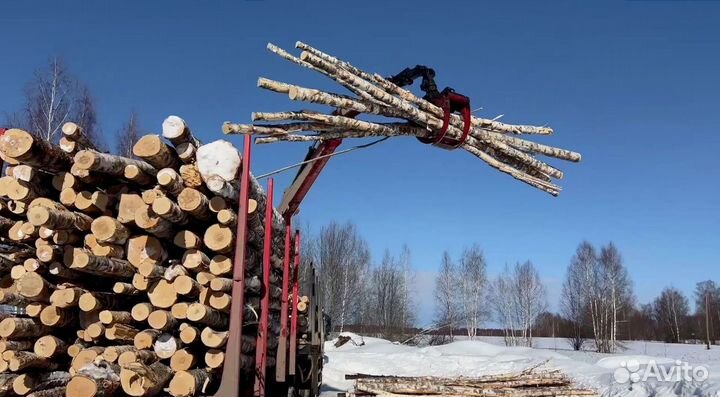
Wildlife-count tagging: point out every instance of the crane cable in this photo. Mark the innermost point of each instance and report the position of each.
(348, 150)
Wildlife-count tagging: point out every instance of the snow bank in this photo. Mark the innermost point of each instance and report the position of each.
(622, 361)
(489, 356)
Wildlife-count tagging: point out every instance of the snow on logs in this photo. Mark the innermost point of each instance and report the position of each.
(124, 265)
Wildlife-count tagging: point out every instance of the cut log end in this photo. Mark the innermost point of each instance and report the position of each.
(49, 346)
(16, 143)
(219, 238)
(71, 129)
(175, 129)
(187, 240)
(146, 339)
(85, 159)
(161, 320)
(139, 379)
(141, 311)
(85, 386)
(109, 230)
(182, 360)
(162, 294)
(189, 383)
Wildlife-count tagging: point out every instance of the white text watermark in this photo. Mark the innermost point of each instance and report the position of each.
(631, 371)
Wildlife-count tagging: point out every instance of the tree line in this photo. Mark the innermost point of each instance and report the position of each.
(372, 297)
(597, 307)
(466, 298)
(598, 304)
(53, 96)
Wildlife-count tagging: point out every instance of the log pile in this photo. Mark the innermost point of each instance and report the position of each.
(491, 141)
(529, 383)
(123, 266)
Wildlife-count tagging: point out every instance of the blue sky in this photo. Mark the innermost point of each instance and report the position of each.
(632, 85)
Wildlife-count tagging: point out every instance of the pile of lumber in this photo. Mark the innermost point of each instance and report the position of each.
(490, 140)
(124, 266)
(524, 384)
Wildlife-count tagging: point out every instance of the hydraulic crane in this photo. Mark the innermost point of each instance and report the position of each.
(298, 368)
(319, 154)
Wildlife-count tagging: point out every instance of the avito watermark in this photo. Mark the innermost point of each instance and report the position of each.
(631, 371)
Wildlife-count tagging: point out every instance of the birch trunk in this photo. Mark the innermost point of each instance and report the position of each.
(109, 163)
(155, 152)
(21, 146)
(138, 379)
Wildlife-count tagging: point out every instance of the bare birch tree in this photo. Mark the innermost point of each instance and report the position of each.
(473, 284)
(517, 299)
(593, 286)
(446, 295)
(573, 304)
(127, 136)
(619, 288)
(406, 291)
(390, 306)
(52, 98)
(671, 310)
(531, 299)
(606, 291)
(707, 308)
(502, 302)
(342, 259)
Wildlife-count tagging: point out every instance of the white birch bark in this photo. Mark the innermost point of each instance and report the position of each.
(489, 140)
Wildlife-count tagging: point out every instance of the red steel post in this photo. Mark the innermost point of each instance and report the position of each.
(261, 345)
(2, 132)
(281, 358)
(293, 319)
(230, 382)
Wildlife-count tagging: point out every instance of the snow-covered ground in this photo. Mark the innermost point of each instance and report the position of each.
(488, 355)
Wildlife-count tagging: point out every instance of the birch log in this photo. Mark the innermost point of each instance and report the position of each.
(75, 133)
(189, 383)
(109, 163)
(139, 379)
(23, 147)
(55, 218)
(154, 151)
(195, 203)
(176, 131)
(170, 181)
(107, 229)
(30, 382)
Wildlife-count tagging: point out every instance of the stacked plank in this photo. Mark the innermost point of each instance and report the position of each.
(489, 140)
(528, 383)
(124, 265)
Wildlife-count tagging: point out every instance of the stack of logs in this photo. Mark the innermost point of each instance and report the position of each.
(528, 383)
(124, 266)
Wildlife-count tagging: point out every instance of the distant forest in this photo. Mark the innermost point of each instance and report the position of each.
(597, 308)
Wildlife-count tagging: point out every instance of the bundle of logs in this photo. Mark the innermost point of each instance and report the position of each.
(123, 266)
(529, 383)
(490, 140)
